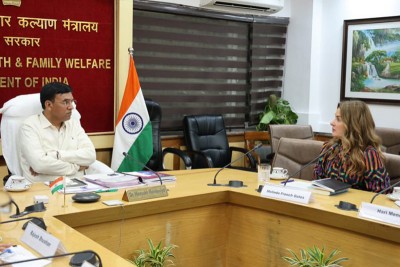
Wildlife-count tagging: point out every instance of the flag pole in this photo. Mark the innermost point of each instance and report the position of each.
(64, 186)
(130, 51)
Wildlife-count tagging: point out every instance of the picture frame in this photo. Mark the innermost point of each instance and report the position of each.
(371, 60)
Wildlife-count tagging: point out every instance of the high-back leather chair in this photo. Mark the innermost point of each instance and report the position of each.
(392, 165)
(390, 139)
(293, 154)
(154, 110)
(155, 163)
(207, 142)
(277, 131)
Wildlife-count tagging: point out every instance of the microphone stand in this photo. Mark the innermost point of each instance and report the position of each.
(17, 212)
(233, 183)
(350, 206)
(36, 220)
(144, 165)
(55, 256)
(309, 163)
(384, 190)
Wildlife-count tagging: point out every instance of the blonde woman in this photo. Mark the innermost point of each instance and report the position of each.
(355, 157)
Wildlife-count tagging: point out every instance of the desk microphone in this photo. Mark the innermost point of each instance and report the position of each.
(384, 190)
(77, 260)
(8, 203)
(144, 165)
(17, 212)
(233, 183)
(36, 220)
(308, 164)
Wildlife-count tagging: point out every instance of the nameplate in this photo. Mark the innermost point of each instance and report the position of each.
(41, 241)
(142, 193)
(286, 193)
(379, 213)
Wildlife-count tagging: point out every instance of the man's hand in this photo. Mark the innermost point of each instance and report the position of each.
(82, 168)
(33, 172)
(4, 246)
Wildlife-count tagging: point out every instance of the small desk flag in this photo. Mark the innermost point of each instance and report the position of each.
(57, 184)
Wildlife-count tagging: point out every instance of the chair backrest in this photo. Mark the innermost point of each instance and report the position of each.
(390, 139)
(155, 114)
(392, 165)
(14, 112)
(293, 154)
(290, 131)
(207, 134)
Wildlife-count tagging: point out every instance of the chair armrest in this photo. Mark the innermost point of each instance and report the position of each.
(250, 157)
(207, 159)
(184, 156)
(270, 158)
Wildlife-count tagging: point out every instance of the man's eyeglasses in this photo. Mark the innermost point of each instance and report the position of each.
(68, 102)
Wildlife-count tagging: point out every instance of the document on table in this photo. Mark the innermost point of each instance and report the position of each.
(73, 186)
(299, 185)
(19, 253)
(114, 180)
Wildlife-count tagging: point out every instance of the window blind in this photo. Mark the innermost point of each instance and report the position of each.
(191, 63)
(267, 65)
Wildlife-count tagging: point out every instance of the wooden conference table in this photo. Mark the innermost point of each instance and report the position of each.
(216, 226)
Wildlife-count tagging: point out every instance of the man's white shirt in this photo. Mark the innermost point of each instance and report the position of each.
(53, 152)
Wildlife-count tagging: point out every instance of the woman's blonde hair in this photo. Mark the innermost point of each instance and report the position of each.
(359, 133)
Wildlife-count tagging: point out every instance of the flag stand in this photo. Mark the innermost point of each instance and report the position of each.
(64, 186)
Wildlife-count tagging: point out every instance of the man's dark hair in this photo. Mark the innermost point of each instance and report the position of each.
(50, 90)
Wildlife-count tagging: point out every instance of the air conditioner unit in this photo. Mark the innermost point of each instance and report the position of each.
(257, 7)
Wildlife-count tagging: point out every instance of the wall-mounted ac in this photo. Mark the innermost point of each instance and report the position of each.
(258, 7)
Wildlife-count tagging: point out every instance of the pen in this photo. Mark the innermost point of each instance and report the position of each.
(7, 250)
(107, 190)
(288, 181)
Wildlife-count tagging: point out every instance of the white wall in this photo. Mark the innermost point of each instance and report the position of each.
(298, 61)
(314, 58)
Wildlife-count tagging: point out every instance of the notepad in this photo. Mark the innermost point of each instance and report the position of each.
(328, 193)
(330, 185)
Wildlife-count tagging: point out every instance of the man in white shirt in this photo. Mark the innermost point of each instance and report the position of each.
(51, 143)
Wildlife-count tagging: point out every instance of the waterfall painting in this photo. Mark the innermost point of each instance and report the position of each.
(371, 60)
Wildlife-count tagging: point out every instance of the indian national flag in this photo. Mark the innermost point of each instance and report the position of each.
(57, 184)
(133, 132)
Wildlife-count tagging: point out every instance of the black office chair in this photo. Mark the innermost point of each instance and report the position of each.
(207, 142)
(156, 161)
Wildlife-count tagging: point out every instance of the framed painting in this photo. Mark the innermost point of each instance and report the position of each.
(371, 60)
